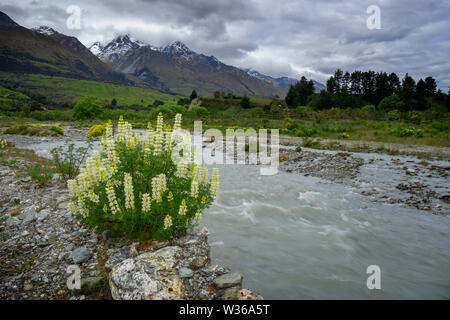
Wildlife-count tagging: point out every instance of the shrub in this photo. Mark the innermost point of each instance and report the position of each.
(406, 132)
(67, 159)
(391, 103)
(306, 132)
(96, 130)
(41, 174)
(87, 107)
(414, 117)
(439, 126)
(134, 187)
(310, 143)
(369, 109)
(343, 135)
(245, 102)
(394, 114)
(199, 111)
(57, 129)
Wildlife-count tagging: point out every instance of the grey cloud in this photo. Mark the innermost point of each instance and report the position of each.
(289, 38)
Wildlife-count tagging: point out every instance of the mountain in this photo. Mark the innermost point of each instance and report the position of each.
(43, 50)
(283, 82)
(116, 48)
(176, 68)
(45, 30)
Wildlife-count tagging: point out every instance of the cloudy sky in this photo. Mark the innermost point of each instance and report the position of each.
(279, 38)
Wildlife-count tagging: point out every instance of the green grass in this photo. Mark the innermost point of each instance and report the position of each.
(68, 90)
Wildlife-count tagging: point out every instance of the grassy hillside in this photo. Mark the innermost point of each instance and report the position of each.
(59, 89)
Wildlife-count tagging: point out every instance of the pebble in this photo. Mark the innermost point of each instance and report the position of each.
(81, 255)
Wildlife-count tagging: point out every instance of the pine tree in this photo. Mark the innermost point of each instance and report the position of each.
(193, 95)
(430, 86)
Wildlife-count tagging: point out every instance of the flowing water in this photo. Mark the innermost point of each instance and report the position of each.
(296, 237)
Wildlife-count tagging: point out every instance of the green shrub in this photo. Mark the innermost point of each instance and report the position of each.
(391, 103)
(306, 132)
(96, 130)
(406, 132)
(199, 111)
(310, 143)
(86, 108)
(414, 117)
(394, 114)
(343, 135)
(57, 129)
(41, 174)
(67, 159)
(369, 109)
(440, 126)
(134, 187)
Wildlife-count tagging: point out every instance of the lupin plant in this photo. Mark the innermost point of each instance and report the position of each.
(133, 186)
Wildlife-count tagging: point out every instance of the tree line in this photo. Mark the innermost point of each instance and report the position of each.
(360, 88)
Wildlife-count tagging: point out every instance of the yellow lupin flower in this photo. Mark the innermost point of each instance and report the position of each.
(183, 208)
(167, 222)
(128, 189)
(146, 202)
(194, 189)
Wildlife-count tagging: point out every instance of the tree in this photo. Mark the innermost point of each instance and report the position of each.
(447, 101)
(355, 82)
(394, 83)
(193, 95)
(430, 86)
(421, 88)
(382, 88)
(331, 85)
(408, 88)
(245, 102)
(291, 96)
(298, 94)
(216, 94)
(391, 103)
(87, 107)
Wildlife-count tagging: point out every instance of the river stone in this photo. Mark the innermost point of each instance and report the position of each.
(185, 273)
(12, 221)
(228, 280)
(80, 255)
(29, 217)
(149, 276)
(42, 215)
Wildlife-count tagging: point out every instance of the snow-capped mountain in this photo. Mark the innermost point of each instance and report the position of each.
(178, 50)
(284, 82)
(45, 30)
(117, 48)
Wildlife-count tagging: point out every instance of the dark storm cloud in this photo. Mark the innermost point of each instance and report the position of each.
(281, 38)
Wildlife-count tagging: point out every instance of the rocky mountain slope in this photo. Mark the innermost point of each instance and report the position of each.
(176, 68)
(43, 50)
